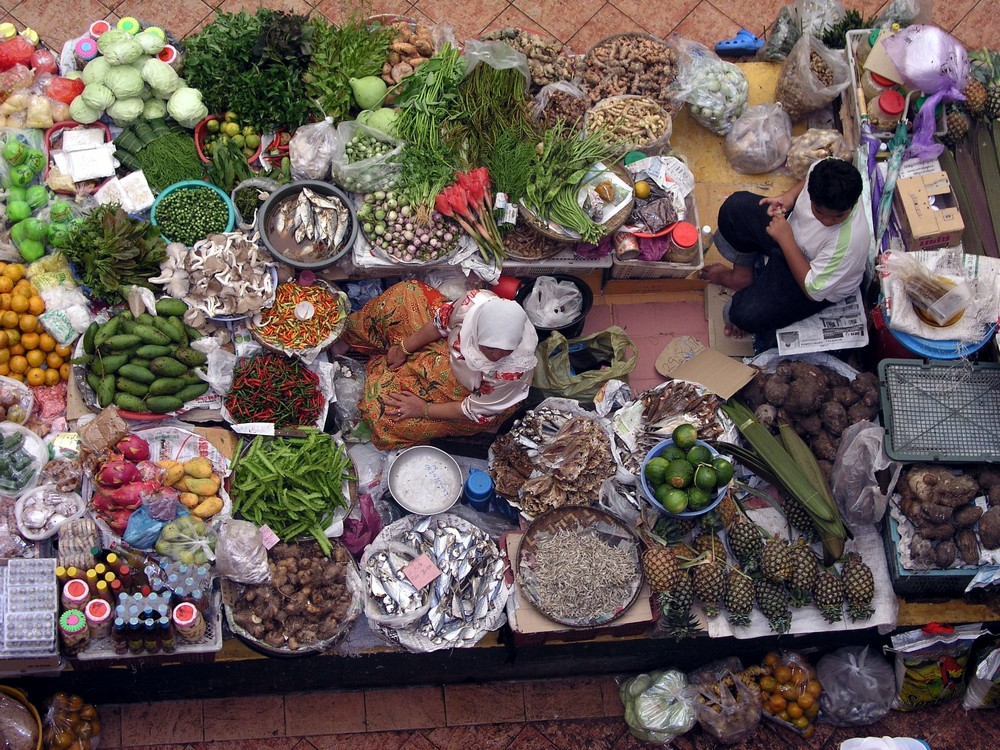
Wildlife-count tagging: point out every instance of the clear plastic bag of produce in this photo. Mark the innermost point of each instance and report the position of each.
(567, 101)
(930, 60)
(659, 706)
(860, 456)
(245, 220)
(801, 17)
(377, 170)
(857, 686)
(759, 141)
(497, 55)
(811, 77)
(240, 554)
(905, 13)
(188, 540)
(983, 690)
(812, 146)
(727, 709)
(714, 90)
(311, 149)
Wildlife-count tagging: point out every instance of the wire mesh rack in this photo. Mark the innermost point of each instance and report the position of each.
(941, 411)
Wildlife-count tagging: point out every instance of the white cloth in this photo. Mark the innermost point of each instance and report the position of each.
(483, 319)
(837, 255)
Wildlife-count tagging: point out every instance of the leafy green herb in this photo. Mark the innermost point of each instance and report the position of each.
(496, 102)
(835, 36)
(510, 162)
(112, 252)
(352, 50)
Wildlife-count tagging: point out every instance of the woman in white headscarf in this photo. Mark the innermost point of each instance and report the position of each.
(440, 368)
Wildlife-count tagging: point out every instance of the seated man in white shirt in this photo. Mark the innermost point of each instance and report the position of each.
(815, 239)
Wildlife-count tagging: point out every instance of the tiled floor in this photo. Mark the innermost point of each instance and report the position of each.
(576, 714)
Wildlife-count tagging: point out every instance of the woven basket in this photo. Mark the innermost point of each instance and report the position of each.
(576, 519)
(664, 99)
(655, 146)
(612, 224)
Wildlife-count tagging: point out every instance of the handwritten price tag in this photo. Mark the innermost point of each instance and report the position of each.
(421, 571)
(268, 537)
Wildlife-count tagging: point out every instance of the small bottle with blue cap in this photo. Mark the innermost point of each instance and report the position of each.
(478, 492)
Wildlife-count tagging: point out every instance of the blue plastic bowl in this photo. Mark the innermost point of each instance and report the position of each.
(648, 491)
(194, 184)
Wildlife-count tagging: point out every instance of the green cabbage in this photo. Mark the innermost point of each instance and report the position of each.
(82, 113)
(186, 107)
(97, 96)
(120, 47)
(150, 41)
(95, 70)
(154, 109)
(124, 111)
(124, 81)
(161, 77)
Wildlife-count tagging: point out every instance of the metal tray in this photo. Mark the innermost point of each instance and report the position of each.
(941, 411)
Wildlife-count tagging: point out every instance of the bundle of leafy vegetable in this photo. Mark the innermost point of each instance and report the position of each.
(165, 153)
(253, 65)
(496, 104)
(351, 50)
(113, 252)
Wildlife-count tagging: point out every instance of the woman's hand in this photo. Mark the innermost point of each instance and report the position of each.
(406, 405)
(395, 357)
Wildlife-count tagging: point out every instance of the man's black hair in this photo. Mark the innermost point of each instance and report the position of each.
(835, 184)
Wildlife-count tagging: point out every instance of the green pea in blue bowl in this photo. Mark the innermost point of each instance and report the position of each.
(184, 213)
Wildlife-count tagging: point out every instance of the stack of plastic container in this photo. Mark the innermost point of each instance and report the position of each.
(28, 590)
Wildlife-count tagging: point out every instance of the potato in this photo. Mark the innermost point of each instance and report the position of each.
(174, 469)
(189, 499)
(208, 507)
(206, 487)
(199, 468)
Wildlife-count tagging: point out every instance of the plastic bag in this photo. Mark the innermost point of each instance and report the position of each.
(814, 145)
(361, 531)
(983, 690)
(261, 185)
(854, 482)
(143, 530)
(70, 715)
(620, 501)
(365, 176)
(497, 55)
(802, 17)
(311, 149)
(759, 140)
(552, 303)
(658, 706)
(929, 60)
(728, 711)
(800, 91)
(857, 686)
(561, 99)
(905, 13)
(930, 664)
(715, 90)
(240, 554)
(555, 376)
(188, 540)
(349, 387)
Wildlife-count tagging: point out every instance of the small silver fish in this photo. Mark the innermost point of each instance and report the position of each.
(343, 220)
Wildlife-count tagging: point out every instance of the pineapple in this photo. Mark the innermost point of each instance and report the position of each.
(739, 598)
(709, 543)
(776, 561)
(671, 530)
(859, 587)
(985, 69)
(746, 543)
(709, 580)
(975, 97)
(804, 572)
(800, 520)
(729, 512)
(991, 109)
(661, 568)
(675, 607)
(958, 124)
(772, 601)
(828, 595)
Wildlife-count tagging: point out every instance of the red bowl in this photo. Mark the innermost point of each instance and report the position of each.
(199, 140)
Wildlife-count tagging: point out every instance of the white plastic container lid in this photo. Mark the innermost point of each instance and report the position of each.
(884, 743)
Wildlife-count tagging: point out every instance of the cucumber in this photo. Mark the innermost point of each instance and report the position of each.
(106, 391)
(128, 402)
(88, 338)
(190, 357)
(136, 373)
(167, 306)
(120, 342)
(163, 326)
(150, 335)
(168, 367)
(163, 404)
(152, 351)
(166, 386)
(105, 332)
(125, 385)
(93, 381)
(191, 392)
(109, 363)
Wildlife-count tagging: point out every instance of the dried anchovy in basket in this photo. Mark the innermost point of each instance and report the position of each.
(630, 64)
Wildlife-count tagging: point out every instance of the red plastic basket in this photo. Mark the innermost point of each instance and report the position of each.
(199, 139)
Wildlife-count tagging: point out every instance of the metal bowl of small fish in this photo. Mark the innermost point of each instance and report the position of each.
(308, 224)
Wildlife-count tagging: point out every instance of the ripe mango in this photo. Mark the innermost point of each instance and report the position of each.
(189, 500)
(174, 469)
(208, 507)
(205, 487)
(199, 468)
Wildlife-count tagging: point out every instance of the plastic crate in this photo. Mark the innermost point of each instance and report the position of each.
(941, 411)
(950, 582)
(651, 269)
(100, 653)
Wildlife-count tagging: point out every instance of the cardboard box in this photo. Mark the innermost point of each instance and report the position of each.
(686, 358)
(928, 212)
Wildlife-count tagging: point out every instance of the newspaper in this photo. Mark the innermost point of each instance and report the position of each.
(840, 326)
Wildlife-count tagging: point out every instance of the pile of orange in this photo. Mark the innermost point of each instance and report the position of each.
(790, 691)
(27, 352)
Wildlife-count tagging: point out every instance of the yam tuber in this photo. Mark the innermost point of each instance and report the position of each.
(967, 516)
(937, 484)
(989, 529)
(944, 554)
(968, 546)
